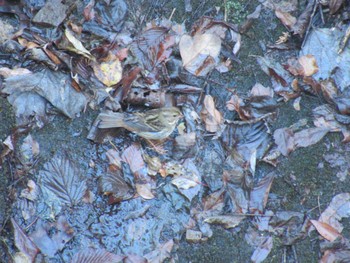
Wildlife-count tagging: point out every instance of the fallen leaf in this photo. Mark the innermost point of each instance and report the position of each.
(260, 193)
(309, 64)
(200, 53)
(286, 18)
(113, 184)
(63, 179)
(226, 221)
(284, 139)
(145, 191)
(338, 208)
(52, 237)
(161, 253)
(29, 94)
(24, 243)
(309, 136)
(325, 230)
(77, 45)
(109, 71)
(92, 255)
(210, 115)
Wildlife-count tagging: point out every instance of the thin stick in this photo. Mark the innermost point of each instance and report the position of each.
(172, 13)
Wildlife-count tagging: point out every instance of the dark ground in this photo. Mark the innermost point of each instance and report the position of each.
(301, 185)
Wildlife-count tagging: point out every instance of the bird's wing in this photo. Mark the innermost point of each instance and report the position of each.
(139, 123)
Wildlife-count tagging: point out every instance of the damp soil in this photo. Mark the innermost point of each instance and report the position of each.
(304, 179)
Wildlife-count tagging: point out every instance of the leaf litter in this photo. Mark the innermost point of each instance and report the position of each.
(207, 172)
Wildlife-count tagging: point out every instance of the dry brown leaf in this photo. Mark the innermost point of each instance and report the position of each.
(210, 115)
(200, 53)
(325, 230)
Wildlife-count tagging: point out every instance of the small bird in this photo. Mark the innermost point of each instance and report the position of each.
(156, 124)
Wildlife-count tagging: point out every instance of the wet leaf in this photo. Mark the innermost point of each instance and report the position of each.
(112, 183)
(29, 150)
(262, 244)
(309, 136)
(323, 44)
(109, 71)
(200, 53)
(161, 253)
(52, 237)
(64, 180)
(337, 209)
(133, 156)
(29, 93)
(91, 255)
(24, 243)
(339, 255)
(326, 230)
(247, 140)
(152, 47)
(302, 23)
(210, 115)
(260, 193)
(52, 13)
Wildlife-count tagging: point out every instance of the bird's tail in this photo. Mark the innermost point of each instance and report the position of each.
(111, 120)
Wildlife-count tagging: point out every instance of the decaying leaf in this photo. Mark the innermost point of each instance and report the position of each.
(91, 255)
(77, 45)
(52, 237)
(226, 221)
(200, 53)
(29, 150)
(210, 115)
(6, 72)
(323, 44)
(260, 193)
(286, 18)
(325, 230)
(29, 95)
(63, 179)
(24, 243)
(113, 184)
(287, 141)
(263, 245)
(109, 71)
(145, 191)
(337, 209)
(161, 253)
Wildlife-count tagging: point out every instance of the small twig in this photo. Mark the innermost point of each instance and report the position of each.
(172, 13)
(253, 215)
